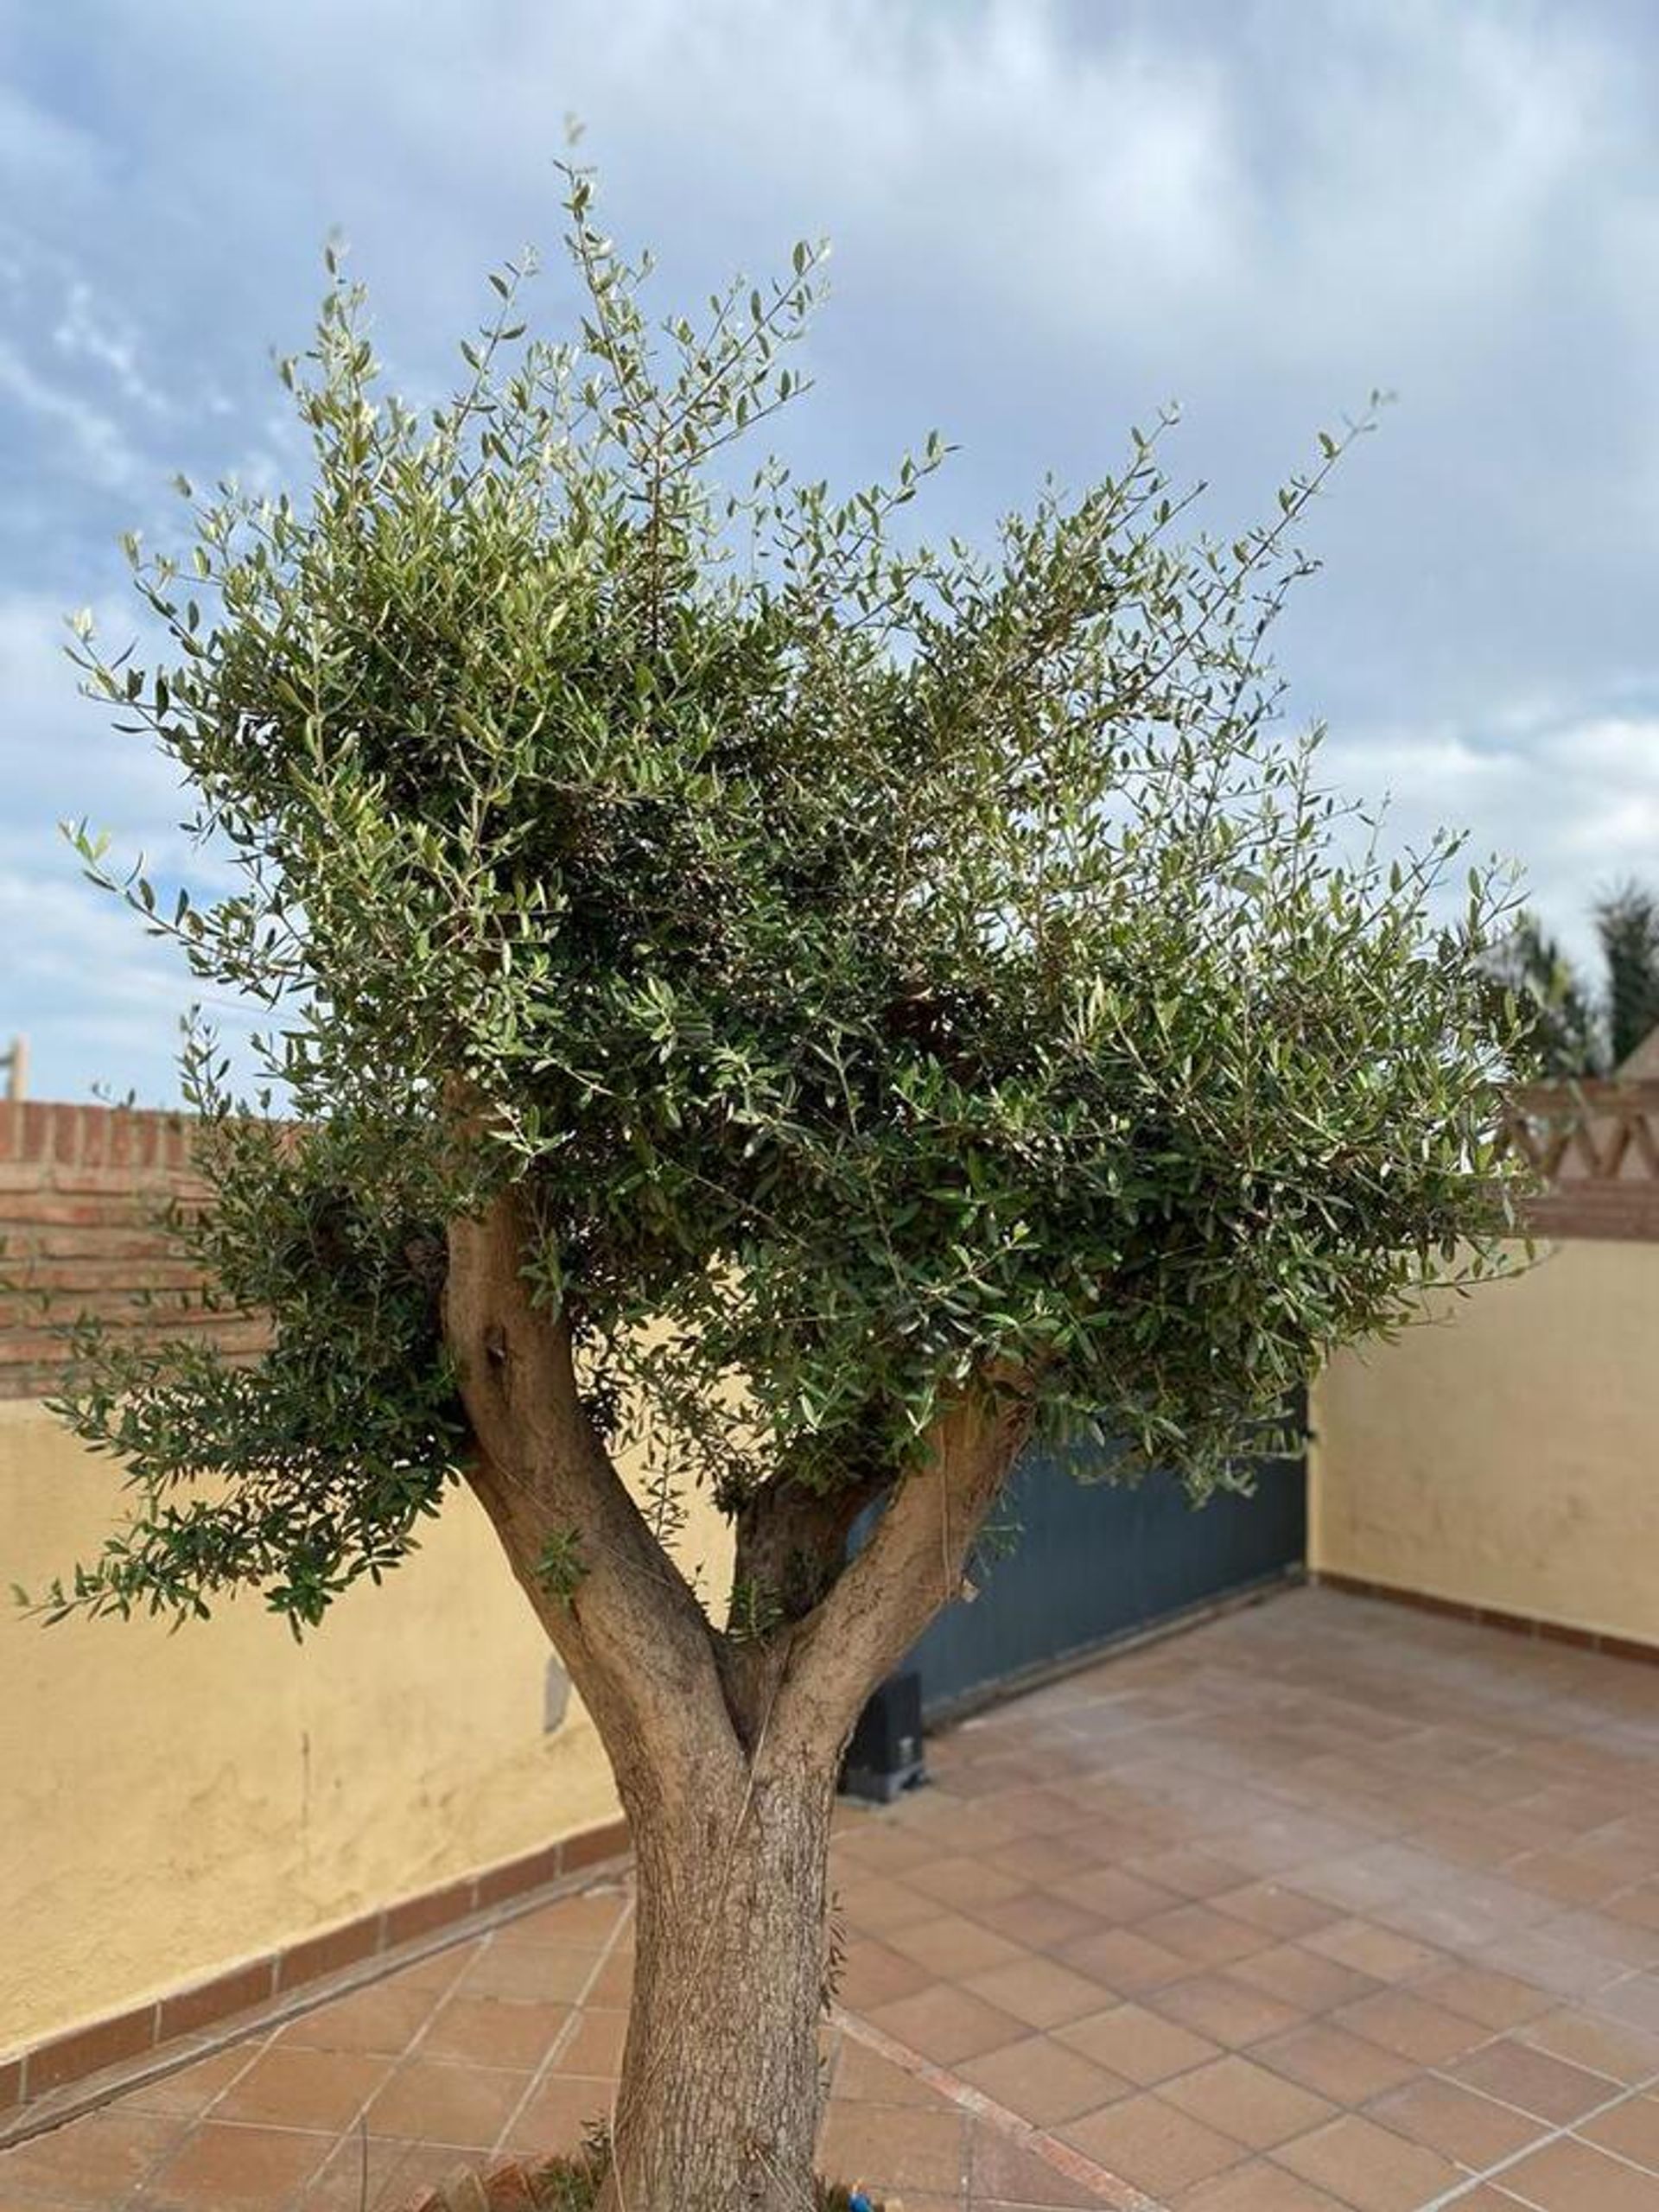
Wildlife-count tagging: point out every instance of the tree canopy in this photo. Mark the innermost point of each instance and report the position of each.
(878, 971)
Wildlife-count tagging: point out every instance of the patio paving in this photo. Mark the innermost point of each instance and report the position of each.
(1327, 1906)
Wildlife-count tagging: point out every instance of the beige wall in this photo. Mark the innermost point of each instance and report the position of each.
(1508, 1454)
(174, 1803)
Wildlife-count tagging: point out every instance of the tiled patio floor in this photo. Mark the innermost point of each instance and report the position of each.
(1326, 1907)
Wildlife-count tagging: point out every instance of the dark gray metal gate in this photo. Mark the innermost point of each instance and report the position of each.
(1095, 1562)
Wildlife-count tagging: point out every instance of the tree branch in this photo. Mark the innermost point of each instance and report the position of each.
(911, 1566)
(636, 1642)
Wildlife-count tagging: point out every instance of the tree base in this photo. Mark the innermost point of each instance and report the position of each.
(573, 2183)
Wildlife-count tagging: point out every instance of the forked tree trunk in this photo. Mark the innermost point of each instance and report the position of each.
(725, 1759)
(721, 2092)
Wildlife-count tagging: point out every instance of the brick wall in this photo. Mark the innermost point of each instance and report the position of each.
(80, 1187)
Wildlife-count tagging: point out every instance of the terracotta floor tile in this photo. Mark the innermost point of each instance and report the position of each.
(964, 1882)
(590, 1918)
(879, 1906)
(1303, 1978)
(1153, 2143)
(424, 2166)
(594, 2045)
(1040, 1812)
(560, 2114)
(1381, 1953)
(360, 2175)
(862, 2076)
(1533, 2082)
(1369, 2167)
(1590, 2040)
(493, 2031)
(1258, 2186)
(1459, 2123)
(289, 2086)
(1568, 1969)
(1229, 2012)
(532, 1974)
(1496, 2000)
(383, 2019)
(96, 2160)
(1190, 1873)
(1400, 2022)
(1037, 1991)
(1279, 1909)
(1138, 2044)
(1204, 1937)
(1248, 2101)
(1305, 1820)
(221, 2167)
(927, 2151)
(946, 2024)
(1122, 1962)
(954, 1946)
(1635, 2001)
(1114, 1896)
(434, 2101)
(1346, 2068)
(873, 1975)
(1004, 2173)
(885, 1844)
(1041, 1920)
(1630, 2129)
(1043, 2080)
(1570, 2176)
(191, 2088)
(1040, 1859)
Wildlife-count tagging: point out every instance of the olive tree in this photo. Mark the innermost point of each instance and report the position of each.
(757, 997)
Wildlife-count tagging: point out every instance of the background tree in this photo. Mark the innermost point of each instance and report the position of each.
(1570, 1027)
(1627, 923)
(812, 1010)
(1560, 1019)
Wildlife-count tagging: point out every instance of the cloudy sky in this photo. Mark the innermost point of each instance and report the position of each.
(1047, 220)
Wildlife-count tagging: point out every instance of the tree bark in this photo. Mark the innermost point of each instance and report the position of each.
(721, 2092)
(725, 1753)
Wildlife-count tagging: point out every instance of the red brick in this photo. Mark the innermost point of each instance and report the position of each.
(515, 1876)
(85, 2050)
(593, 1845)
(212, 2000)
(327, 1952)
(436, 1909)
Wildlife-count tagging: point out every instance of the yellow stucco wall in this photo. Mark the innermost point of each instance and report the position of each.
(172, 1804)
(1506, 1454)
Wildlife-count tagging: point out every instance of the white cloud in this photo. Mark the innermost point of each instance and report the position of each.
(100, 446)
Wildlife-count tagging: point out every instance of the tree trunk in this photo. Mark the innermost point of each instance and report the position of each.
(721, 2092)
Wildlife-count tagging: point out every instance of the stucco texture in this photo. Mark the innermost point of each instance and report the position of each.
(174, 1803)
(1506, 1454)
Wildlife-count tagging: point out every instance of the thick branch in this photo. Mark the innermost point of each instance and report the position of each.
(638, 1647)
(911, 1566)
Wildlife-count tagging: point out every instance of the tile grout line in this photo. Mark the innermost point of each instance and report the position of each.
(359, 2118)
(187, 2125)
(28, 2121)
(1490, 2174)
(568, 2031)
(1112, 2189)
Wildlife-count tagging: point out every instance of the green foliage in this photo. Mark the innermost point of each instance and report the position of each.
(881, 966)
(1559, 1023)
(561, 1567)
